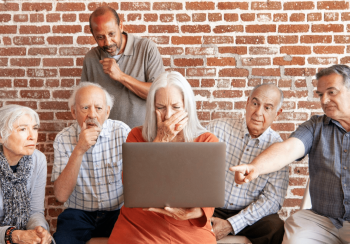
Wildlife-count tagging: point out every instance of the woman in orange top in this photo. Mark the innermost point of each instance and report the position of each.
(170, 117)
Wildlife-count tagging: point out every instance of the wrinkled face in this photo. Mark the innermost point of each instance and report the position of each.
(334, 96)
(23, 138)
(261, 109)
(107, 33)
(90, 107)
(168, 101)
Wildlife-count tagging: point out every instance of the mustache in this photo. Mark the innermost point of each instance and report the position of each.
(110, 46)
(93, 121)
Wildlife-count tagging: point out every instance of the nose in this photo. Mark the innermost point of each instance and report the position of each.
(324, 99)
(259, 110)
(92, 113)
(107, 41)
(32, 134)
(169, 112)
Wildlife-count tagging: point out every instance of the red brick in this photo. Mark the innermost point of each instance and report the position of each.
(292, 202)
(53, 17)
(280, 17)
(84, 17)
(12, 72)
(227, 93)
(322, 60)
(135, 6)
(298, 192)
(300, 71)
(64, 115)
(93, 6)
(5, 83)
(327, 28)
(238, 83)
(250, 40)
(219, 115)
(13, 51)
(342, 39)
(208, 83)
(298, 5)
(297, 17)
(296, 50)
(213, 17)
(196, 29)
(293, 28)
(8, 94)
(331, 16)
(217, 105)
(67, 82)
(170, 50)
(345, 16)
(260, 28)
(20, 82)
(193, 82)
(3, 62)
(7, 40)
(52, 83)
(86, 40)
(36, 83)
(163, 29)
(329, 49)
(199, 51)
(57, 40)
(295, 61)
(20, 18)
(264, 17)
(203, 115)
(34, 29)
(70, 29)
(41, 72)
(217, 39)
(345, 60)
(225, 83)
(266, 5)
(266, 72)
(36, 7)
(166, 61)
(287, 105)
(8, 29)
(69, 51)
(200, 72)
(283, 127)
(150, 17)
(263, 50)
(54, 105)
(69, 17)
(248, 17)
(183, 18)
(233, 5)
(255, 61)
(301, 170)
(231, 17)
(333, 5)
(36, 94)
(315, 39)
(70, 72)
(159, 39)
(63, 94)
(314, 17)
(30, 104)
(42, 51)
(295, 94)
(135, 28)
(200, 6)
(167, 6)
(224, 61)
(55, 62)
(282, 39)
(233, 72)
(28, 40)
(36, 18)
(188, 62)
(5, 17)
(228, 28)
(233, 50)
(300, 83)
(166, 17)
(25, 61)
(70, 7)
(199, 17)
(297, 181)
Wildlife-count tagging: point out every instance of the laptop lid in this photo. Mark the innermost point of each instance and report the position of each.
(189, 174)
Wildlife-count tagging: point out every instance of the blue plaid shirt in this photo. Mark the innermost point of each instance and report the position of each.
(99, 183)
(328, 145)
(260, 197)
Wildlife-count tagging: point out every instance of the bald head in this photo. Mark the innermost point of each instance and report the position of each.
(103, 10)
(269, 87)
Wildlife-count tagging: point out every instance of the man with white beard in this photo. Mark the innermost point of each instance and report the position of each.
(87, 167)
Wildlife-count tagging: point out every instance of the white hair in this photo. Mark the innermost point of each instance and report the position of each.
(269, 84)
(193, 128)
(109, 97)
(9, 114)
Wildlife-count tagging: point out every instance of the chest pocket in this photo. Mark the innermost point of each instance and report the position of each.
(114, 172)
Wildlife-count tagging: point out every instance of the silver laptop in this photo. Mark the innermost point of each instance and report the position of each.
(188, 174)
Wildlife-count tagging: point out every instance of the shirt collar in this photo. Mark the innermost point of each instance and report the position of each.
(129, 48)
(327, 120)
(245, 132)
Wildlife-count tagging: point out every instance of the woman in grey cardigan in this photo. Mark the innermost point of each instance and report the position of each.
(22, 178)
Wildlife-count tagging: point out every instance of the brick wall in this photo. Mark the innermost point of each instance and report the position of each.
(224, 48)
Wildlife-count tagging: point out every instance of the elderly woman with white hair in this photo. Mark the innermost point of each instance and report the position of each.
(170, 117)
(22, 178)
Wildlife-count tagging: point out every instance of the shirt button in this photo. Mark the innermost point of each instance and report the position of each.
(237, 185)
(344, 184)
(345, 167)
(345, 150)
(346, 202)
(231, 203)
(248, 149)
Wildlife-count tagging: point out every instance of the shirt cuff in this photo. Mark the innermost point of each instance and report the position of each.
(237, 222)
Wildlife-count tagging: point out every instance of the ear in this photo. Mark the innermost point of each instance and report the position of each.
(278, 113)
(121, 26)
(246, 105)
(108, 111)
(1, 141)
(72, 110)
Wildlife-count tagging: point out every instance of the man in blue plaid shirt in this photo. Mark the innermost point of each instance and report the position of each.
(326, 139)
(87, 167)
(251, 209)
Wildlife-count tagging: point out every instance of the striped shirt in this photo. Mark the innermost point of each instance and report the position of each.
(260, 197)
(99, 183)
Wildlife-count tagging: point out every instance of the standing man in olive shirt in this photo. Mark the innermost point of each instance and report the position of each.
(124, 64)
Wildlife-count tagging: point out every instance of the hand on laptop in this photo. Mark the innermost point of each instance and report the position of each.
(221, 227)
(167, 129)
(178, 213)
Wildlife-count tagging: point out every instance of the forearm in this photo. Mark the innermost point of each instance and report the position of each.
(37, 219)
(139, 88)
(65, 183)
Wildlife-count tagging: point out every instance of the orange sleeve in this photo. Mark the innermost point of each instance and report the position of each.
(135, 135)
(207, 137)
(202, 221)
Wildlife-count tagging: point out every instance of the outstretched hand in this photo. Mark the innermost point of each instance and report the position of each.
(178, 213)
(244, 173)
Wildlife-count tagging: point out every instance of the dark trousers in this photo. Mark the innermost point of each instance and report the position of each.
(269, 229)
(77, 226)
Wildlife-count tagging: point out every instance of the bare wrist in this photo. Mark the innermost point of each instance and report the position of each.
(15, 236)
